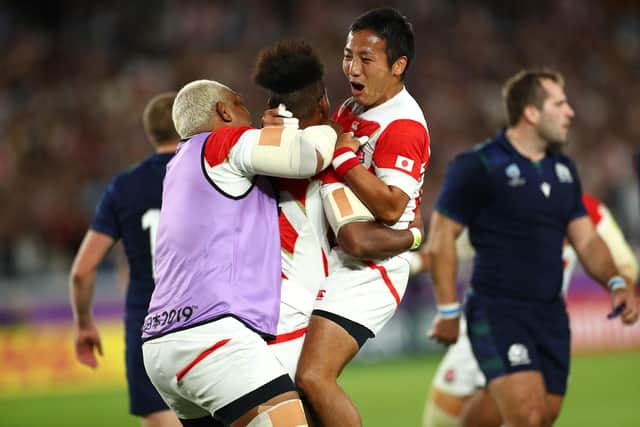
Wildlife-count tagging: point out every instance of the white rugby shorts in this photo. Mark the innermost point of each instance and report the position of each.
(292, 328)
(367, 293)
(201, 369)
(458, 373)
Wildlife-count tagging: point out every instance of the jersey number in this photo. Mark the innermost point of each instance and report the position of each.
(150, 221)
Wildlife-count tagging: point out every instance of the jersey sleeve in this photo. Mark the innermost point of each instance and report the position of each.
(466, 189)
(401, 155)
(105, 219)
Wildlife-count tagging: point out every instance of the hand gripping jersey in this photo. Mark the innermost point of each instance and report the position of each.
(217, 251)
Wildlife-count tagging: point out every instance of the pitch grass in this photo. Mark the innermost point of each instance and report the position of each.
(603, 391)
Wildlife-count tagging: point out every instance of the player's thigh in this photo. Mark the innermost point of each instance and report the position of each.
(283, 410)
(480, 410)
(520, 397)
(327, 348)
(554, 405)
(222, 367)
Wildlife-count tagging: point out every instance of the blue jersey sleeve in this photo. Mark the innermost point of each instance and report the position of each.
(466, 188)
(105, 219)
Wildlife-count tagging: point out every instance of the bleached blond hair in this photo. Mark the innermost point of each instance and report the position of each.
(195, 104)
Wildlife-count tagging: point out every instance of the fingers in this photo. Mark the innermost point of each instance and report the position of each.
(84, 354)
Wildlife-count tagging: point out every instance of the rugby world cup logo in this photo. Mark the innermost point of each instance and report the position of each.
(513, 173)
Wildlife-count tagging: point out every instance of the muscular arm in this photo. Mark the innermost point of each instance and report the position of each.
(386, 202)
(373, 240)
(441, 249)
(92, 251)
(591, 249)
(597, 261)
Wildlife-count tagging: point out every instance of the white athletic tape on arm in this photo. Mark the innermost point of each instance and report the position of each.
(417, 238)
(342, 206)
(291, 153)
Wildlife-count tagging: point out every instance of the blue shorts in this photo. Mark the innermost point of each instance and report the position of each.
(143, 396)
(510, 336)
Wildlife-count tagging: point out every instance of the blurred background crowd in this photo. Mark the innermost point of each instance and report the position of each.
(75, 76)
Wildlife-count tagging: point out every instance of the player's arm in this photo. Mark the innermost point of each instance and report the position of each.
(466, 190)
(387, 198)
(285, 152)
(621, 251)
(93, 249)
(442, 254)
(373, 240)
(596, 258)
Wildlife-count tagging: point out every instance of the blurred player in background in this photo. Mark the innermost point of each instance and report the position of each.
(458, 376)
(129, 210)
(519, 199)
(218, 266)
(386, 174)
(293, 76)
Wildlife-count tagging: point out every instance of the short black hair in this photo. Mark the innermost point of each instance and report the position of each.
(292, 73)
(389, 24)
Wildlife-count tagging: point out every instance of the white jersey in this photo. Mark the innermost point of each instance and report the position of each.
(397, 151)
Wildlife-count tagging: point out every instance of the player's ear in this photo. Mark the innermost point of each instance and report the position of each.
(222, 110)
(531, 114)
(399, 66)
(323, 107)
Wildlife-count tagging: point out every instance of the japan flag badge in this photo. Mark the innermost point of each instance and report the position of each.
(404, 163)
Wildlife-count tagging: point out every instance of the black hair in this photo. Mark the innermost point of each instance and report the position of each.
(292, 73)
(389, 24)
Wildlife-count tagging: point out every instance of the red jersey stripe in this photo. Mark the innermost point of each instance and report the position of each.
(386, 279)
(288, 336)
(201, 356)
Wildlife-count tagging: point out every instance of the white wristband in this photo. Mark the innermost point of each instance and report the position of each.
(449, 311)
(616, 282)
(417, 238)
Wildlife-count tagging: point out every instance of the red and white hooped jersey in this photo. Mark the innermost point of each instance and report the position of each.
(398, 148)
(303, 241)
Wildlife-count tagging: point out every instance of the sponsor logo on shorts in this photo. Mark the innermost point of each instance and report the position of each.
(518, 355)
(320, 295)
(450, 375)
(169, 317)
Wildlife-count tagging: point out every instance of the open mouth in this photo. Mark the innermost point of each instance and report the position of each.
(356, 88)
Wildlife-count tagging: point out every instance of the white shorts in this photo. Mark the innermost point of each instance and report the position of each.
(367, 294)
(292, 328)
(458, 373)
(200, 370)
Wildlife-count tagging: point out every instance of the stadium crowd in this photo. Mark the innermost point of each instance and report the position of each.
(75, 78)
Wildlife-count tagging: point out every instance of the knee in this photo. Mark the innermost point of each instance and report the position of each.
(535, 416)
(310, 380)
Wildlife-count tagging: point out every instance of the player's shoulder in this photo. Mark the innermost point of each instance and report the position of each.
(490, 154)
(403, 109)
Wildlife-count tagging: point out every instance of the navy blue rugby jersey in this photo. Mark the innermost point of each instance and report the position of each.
(129, 210)
(517, 212)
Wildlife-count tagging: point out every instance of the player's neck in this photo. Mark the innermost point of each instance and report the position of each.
(527, 143)
(167, 148)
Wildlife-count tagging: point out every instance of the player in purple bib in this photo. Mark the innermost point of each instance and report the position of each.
(218, 265)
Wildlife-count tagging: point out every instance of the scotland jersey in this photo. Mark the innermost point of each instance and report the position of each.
(517, 212)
